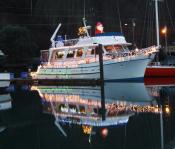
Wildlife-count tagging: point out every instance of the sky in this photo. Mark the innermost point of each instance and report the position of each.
(42, 17)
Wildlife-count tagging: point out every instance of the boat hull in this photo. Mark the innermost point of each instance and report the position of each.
(124, 70)
(4, 84)
(160, 71)
(5, 76)
(5, 102)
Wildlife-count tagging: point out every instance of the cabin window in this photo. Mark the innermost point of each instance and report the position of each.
(59, 54)
(79, 52)
(63, 108)
(70, 54)
(82, 109)
(118, 48)
(113, 48)
(110, 49)
(72, 108)
(44, 56)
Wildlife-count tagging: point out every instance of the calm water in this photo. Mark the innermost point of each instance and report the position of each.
(118, 115)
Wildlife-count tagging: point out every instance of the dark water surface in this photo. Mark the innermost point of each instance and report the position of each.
(131, 116)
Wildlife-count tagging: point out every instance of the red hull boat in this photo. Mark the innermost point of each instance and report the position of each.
(160, 71)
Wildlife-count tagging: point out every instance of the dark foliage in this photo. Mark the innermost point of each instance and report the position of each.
(16, 42)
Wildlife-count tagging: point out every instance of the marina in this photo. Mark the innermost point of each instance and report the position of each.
(87, 74)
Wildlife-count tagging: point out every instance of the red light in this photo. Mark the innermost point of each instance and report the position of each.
(104, 132)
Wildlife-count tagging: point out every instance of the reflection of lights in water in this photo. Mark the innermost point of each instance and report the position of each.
(87, 129)
(104, 132)
(156, 110)
(74, 108)
(112, 107)
(167, 110)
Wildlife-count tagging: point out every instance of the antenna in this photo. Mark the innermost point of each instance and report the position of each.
(118, 10)
(84, 8)
(54, 34)
(86, 27)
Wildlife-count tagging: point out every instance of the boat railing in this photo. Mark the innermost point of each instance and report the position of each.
(70, 42)
(75, 62)
(152, 64)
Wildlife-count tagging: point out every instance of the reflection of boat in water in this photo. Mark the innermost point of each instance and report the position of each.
(131, 92)
(5, 102)
(160, 81)
(82, 105)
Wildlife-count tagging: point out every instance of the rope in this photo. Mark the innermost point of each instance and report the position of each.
(170, 16)
(142, 36)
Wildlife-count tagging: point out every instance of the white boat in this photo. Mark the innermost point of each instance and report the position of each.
(5, 102)
(79, 58)
(4, 84)
(4, 79)
(3, 76)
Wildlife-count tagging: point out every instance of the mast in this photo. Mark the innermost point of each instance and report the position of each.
(86, 27)
(84, 9)
(157, 21)
(84, 20)
(118, 10)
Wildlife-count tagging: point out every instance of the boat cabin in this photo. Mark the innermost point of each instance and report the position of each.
(60, 54)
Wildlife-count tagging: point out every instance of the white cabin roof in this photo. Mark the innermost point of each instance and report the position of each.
(95, 41)
(104, 40)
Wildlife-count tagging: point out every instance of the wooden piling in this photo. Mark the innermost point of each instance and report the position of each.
(103, 110)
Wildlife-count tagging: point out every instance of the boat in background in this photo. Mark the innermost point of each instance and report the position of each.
(158, 70)
(5, 97)
(5, 80)
(4, 76)
(79, 58)
(5, 102)
(4, 84)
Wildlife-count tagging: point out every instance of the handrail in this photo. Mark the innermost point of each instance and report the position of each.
(71, 63)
